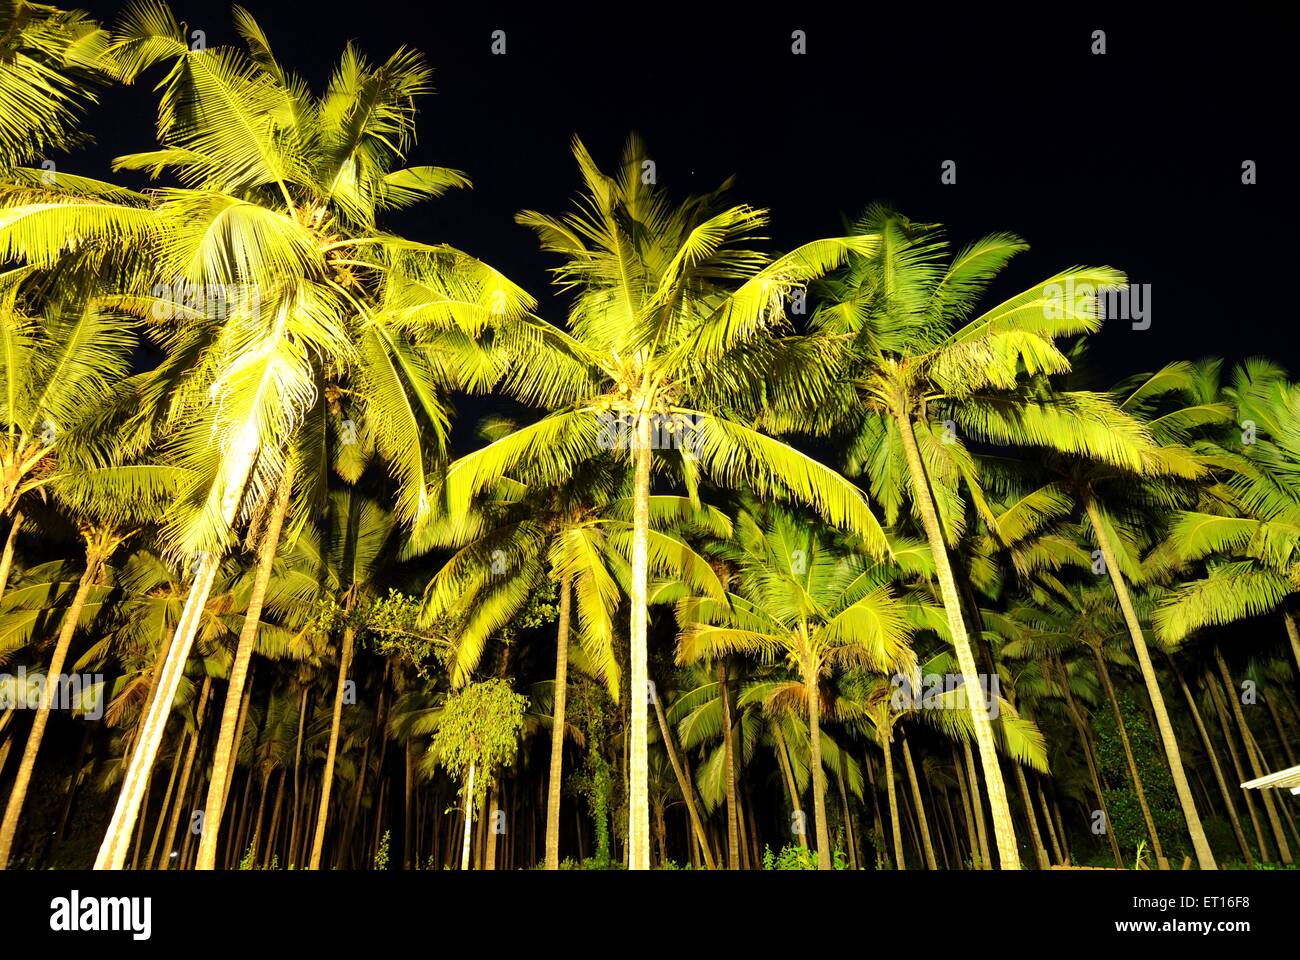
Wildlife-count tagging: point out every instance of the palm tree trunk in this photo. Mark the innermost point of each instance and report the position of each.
(183, 790)
(410, 848)
(151, 861)
(327, 778)
(1043, 861)
(117, 838)
(1060, 827)
(1292, 631)
(557, 726)
(1082, 730)
(273, 835)
(490, 821)
(1104, 673)
(7, 558)
(899, 862)
(877, 822)
(791, 785)
(358, 788)
(1252, 757)
(1058, 854)
(262, 794)
(733, 835)
(928, 846)
(18, 793)
(239, 730)
(297, 785)
(811, 672)
(1003, 826)
(638, 831)
(1204, 855)
(972, 835)
(683, 783)
(226, 745)
(977, 807)
(1225, 725)
(469, 819)
(848, 815)
(1218, 772)
(661, 831)
(1282, 736)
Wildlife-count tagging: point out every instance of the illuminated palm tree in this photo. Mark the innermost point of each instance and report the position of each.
(929, 372)
(263, 274)
(800, 596)
(675, 344)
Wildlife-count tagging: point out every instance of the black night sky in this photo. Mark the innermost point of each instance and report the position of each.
(1132, 159)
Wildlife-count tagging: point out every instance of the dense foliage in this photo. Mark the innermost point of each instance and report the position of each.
(823, 559)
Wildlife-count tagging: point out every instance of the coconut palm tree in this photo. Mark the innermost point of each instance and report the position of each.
(579, 536)
(53, 61)
(801, 596)
(62, 355)
(675, 344)
(1247, 524)
(109, 503)
(271, 271)
(1091, 618)
(928, 371)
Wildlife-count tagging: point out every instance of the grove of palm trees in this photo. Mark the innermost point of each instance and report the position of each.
(330, 548)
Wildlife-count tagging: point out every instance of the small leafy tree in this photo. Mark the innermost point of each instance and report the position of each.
(479, 731)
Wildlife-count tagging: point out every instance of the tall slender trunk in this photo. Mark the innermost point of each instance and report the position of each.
(327, 778)
(1228, 800)
(239, 741)
(1252, 757)
(117, 838)
(812, 669)
(224, 758)
(358, 788)
(7, 558)
(18, 793)
(972, 836)
(262, 793)
(848, 815)
(1060, 827)
(1003, 826)
(410, 849)
(661, 830)
(273, 834)
(900, 863)
(638, 832)
(947, 838)
(183, 790)
(683, 782)
(1082, 730)
(977, 807)
(297, 785)
(1293, 633)
(1058, 854)
(151, 860)
(469, 819)
(791, 785)
(557, 726)
(1104, 672)
(1039, 849)
(490, 854)
(927, 844)
(1221, 710)
(733, 833)
(877, 822)
(1204, 855)
(1279, 728)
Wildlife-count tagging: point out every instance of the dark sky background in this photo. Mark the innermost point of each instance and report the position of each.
(1132, 159)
